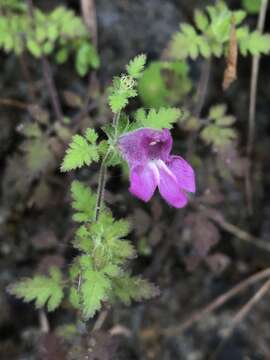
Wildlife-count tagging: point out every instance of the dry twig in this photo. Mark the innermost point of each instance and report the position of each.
(90, 18)
(14, 103)
(252, 106)
(240, 316)
(100, 320)
(235, 230)
(254, 82)
(27, 76)
(44, 322)
(47, 74)
(230, 73)
(218, 302)
(200, 101)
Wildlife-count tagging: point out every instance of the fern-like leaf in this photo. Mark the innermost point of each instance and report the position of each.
(41, 289)
(81, 151)
(163, 118)
(128, 288)
(94, 289)
(219, 132)
(83, 202)
(123, 89)
(136, 66)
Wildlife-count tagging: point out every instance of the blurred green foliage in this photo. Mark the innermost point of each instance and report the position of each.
(164, 83)
(251, 6)
(59, 33)
(211, 34)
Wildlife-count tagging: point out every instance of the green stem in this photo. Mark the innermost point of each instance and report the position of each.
(103, 173)
(116, 119)
(101, 185)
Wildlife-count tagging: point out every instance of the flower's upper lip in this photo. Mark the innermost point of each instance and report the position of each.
(148, 153)
(144, 144)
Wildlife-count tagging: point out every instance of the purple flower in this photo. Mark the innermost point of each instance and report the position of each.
(147, 152)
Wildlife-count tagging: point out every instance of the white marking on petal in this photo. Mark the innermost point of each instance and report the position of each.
(161, 164)
(153, 166)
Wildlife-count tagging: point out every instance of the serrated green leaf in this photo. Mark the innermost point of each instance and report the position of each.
(83, 202)
(91, 135)
(140, 115)
(119, 228)
(74, 297)
(136, 66)
(209, 134)
(61, 56)
(94, 289)
(226, 120)
(221, 26)
(41, 289)
(193, 50)
(34, 48)
(83, 240)
(189, 30)
(74, 269)
(217, 49)
(255, 43)
(112, 270)
(201, 20)
(129, 288)
(47, 48)
(239, 16)
(179, 46)
(217, 111)
(80, 152)
(226, 135)
(218, 133)
(252, 6)
(163, 118)
(122, 90)
(38, 155)
(85, 261)
(122, 250)
(117, 102)
(204, 48)
(31, 130)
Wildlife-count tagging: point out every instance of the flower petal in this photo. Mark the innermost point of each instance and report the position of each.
(169, 187)
(143, 145)
(143, 181)
(183, 173)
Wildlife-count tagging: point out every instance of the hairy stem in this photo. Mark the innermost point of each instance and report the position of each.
(115, 120)
(103, 172)
(101, 185)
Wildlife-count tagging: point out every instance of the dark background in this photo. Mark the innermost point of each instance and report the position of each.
(33, 237)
